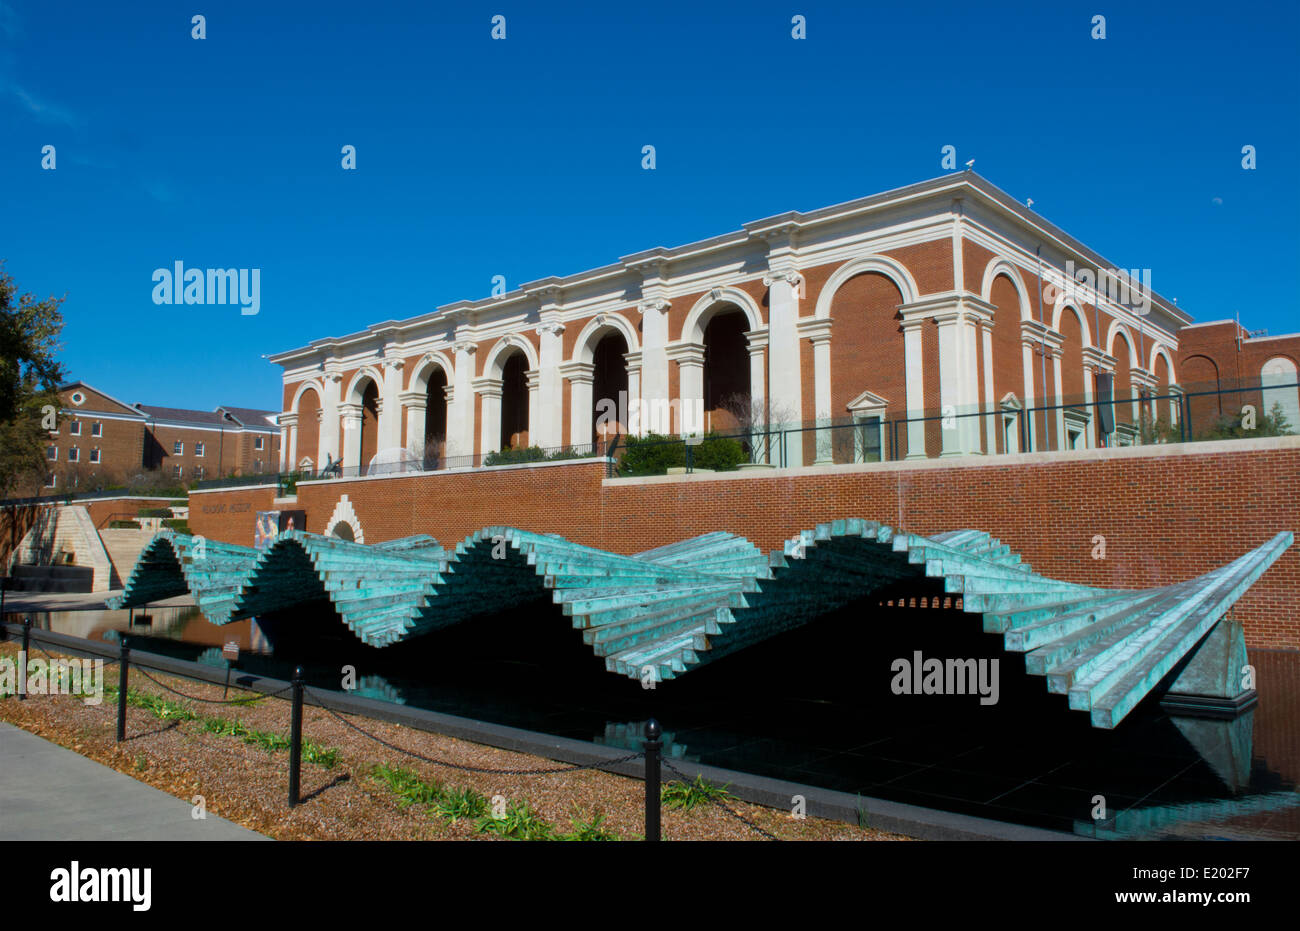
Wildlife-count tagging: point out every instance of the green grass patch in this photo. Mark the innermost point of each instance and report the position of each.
(588, 829)
(169, 710)
(691, 795)
(519, 822)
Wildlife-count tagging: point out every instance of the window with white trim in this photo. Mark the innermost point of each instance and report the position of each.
(176, 471)
(178, 448)
(96, 429)
(258, 442)
(74, 455)
(49, 480)
(94, 455)
(198, 448)
(74, 428)
(52, 453)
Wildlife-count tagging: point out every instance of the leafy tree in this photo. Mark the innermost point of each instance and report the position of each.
(29, 381)
(1274, 423)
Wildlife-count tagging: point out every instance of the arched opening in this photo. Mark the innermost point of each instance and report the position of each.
(1278, 379)
(727, 402)
(307, 430)
(609, 384)
(369, 424)
(435, 420)
(1200, 380)
(1008, 367)
(343, 530)
(1122, 350)
(867, 354)
(1075, 416)
(514, 402)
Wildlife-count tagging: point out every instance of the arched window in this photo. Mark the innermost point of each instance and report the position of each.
(1278, 378)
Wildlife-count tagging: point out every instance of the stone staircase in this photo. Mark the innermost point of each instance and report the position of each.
(124, 547)
(66, 536)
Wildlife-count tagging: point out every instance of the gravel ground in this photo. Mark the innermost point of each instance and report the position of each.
(248, 785)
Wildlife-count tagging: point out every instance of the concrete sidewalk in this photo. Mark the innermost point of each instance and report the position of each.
(51, 793)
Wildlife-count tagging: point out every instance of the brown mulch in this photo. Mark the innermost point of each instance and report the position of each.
(248, 785)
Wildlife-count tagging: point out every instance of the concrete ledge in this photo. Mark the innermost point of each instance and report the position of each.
(896, 817)
(593, 460)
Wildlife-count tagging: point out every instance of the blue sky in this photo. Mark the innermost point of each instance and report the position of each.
(523, 157)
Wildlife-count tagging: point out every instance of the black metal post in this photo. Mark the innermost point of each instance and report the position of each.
(295, 737)
(26, 652)
(123, 663)
(4, 586)
(652, 746)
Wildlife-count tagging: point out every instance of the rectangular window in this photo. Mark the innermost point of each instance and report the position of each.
(178, 448)
(198, 449)
(52, 453)
(49, 479)
(198, 471)
(97, 429)
(176, 471)
(74, 428)
(74, 455)
(257, 442)
(94, 455)
(257, 466)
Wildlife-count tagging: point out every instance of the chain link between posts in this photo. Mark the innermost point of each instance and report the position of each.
(212, 701)
(721, 804)
(475, 769)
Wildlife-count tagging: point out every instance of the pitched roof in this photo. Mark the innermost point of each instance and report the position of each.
(252, 417)
(181, 415)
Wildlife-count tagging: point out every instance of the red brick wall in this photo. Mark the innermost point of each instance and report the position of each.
(1165, 518)
(228, 515)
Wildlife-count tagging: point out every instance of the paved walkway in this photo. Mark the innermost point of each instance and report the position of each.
(50, 793)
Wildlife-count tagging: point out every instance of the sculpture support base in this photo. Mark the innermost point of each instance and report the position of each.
(1212, 684)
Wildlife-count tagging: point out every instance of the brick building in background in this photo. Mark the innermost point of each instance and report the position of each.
(101, 440)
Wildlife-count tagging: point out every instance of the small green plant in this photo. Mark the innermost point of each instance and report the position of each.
(511, 456)
(461, 802)
(691, 795)
(520, 823)
(140, 763)
(589, 829)
(407, 785)
(861, 811)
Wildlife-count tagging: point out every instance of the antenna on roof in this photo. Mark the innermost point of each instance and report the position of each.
(1029, 202)
(970, 165)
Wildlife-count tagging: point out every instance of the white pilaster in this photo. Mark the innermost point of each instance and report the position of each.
(460, 405)
(581, 376)
(390, 420)
(818, 331)
(690, 380)
(489, 389)
(329, 445)
(351, 414)
(415, 403)
(546, 414)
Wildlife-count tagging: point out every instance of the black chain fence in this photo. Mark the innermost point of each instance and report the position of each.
(723, 805)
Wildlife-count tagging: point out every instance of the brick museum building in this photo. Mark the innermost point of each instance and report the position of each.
(101, 439)
(939, 319)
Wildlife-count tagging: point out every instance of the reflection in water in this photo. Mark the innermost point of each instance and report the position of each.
(791, 708)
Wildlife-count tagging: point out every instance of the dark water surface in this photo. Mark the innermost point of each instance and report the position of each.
(815, 706)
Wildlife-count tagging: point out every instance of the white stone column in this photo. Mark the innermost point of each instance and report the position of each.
(351, 414)
(992, 423)
(761, 423)
(489, 389)
(329, 444)
(654, 362)
(785, 383)
(288, 439)
(534, 380)
(913, 373)
(415, 403)
(818, 331)
(690, 380)
(548, 428)
(581, 378)
(1058, 354)
(635, 412)
(390, 407)
(1027, 346)
(460, 402)
(952, 361)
